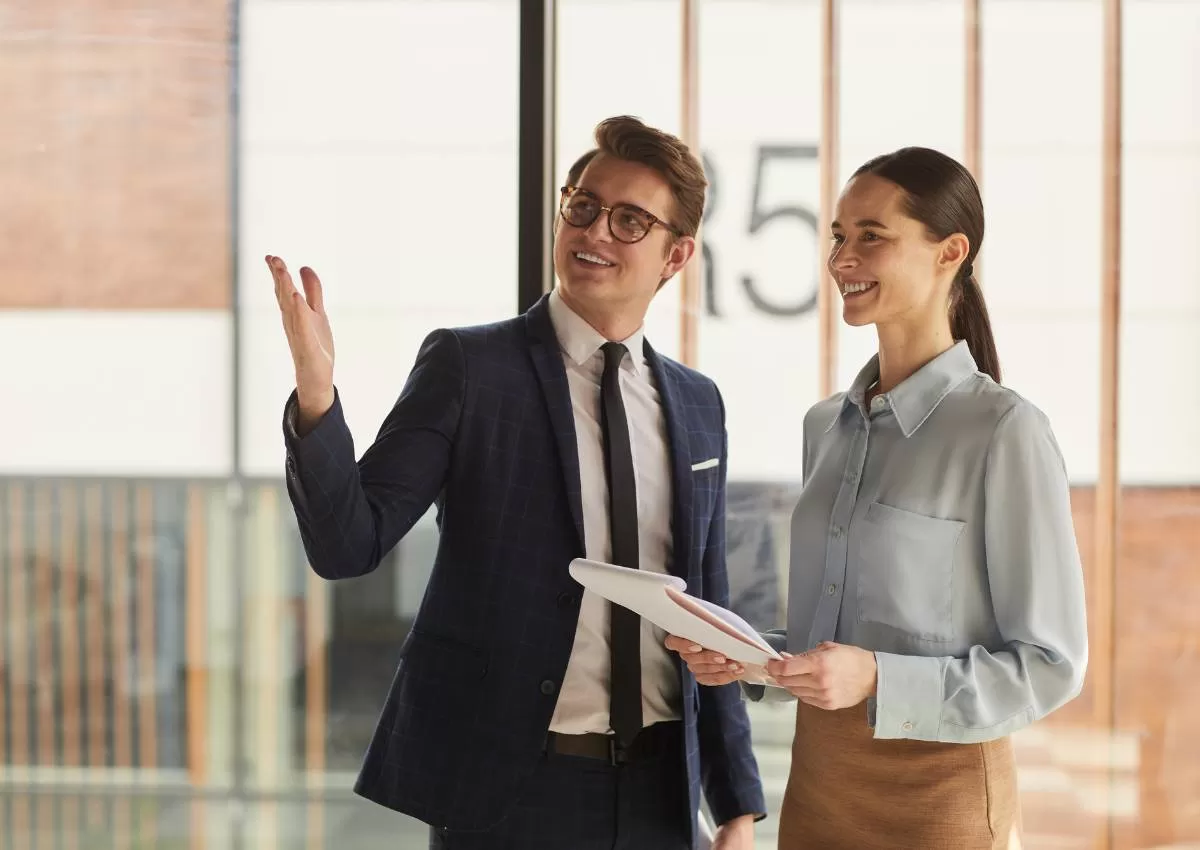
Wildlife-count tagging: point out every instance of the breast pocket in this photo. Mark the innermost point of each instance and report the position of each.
(906, 571)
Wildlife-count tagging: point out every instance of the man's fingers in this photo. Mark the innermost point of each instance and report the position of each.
(275, 280)
(312, 289)
(293, 306)
(283, 279)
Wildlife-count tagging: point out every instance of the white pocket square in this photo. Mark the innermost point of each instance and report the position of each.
(705, 464)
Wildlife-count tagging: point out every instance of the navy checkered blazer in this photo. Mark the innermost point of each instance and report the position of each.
(484, 428)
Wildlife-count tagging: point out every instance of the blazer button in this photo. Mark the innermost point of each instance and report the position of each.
(548, 687)
(565, 600)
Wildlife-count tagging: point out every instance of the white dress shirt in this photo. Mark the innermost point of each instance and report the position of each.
(583, 700)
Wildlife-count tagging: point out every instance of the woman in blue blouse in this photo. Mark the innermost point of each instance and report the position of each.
(936, 600)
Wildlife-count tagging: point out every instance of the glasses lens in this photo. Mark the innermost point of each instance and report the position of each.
(580, 209)
(629, 224)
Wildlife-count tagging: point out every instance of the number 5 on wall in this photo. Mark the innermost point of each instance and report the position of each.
(760, 217)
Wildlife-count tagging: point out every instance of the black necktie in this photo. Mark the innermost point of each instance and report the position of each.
(625, 695)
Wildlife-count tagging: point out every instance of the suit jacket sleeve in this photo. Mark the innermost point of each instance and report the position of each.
(351, 514)
(728, 767)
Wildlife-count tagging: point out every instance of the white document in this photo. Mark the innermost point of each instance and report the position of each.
(661, 600)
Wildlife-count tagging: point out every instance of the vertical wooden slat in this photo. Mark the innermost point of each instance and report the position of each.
(147, 637)
(18, 626)
(198, 825)
(195, 636)
(69, 560)
(264, 649)
(73, 822)
(94, 607)
(316, 699)
(693, 272)
(147, 633)
(973, 90)
(22, 820)
(264, 653)
(7, 567)
(196, 656)
(43, 804)
(1108, 485)
(123, 823)
(43, 637)
(18, 664)
(316, 677)
(119, 553)
(973, 98)
(42, 678)
(44, 618)
(828, 163)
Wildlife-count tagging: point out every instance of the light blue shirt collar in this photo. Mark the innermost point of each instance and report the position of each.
(918, 395)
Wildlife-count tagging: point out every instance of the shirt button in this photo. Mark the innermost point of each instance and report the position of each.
(548, 687)
(906, 726)
(832, 589)
(837, 531)
(565, 600)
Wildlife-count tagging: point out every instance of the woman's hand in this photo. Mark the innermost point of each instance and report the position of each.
(832, 676)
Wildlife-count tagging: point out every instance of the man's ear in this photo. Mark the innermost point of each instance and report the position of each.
(679, 252)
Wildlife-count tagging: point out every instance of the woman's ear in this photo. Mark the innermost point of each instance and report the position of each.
(954, 252)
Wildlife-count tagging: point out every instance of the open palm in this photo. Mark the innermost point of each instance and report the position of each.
(308, 333)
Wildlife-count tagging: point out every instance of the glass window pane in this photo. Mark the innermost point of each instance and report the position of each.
(1156, 662)
(597, 80)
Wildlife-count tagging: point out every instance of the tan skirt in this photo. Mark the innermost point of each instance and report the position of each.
(848, 790)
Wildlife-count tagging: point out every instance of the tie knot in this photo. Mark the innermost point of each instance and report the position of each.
(614, 352)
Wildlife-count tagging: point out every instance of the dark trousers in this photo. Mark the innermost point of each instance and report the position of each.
(580, 803)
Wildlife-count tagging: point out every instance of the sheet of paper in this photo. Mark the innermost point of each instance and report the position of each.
(661, 600)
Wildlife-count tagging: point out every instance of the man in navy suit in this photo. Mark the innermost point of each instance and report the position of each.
(526, 713)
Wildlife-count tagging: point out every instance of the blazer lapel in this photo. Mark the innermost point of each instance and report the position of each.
(552, 375)
(681, 460)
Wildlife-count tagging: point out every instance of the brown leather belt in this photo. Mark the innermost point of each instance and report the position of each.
(650, 742)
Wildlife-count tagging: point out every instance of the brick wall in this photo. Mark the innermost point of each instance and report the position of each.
(114, 160)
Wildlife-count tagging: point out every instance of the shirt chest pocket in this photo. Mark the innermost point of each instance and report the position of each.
(906, 571)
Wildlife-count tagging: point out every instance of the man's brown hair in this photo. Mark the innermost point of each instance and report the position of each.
(625, 137)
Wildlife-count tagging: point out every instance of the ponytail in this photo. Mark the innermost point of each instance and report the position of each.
(969, 320)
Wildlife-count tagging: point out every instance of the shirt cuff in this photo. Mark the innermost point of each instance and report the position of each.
(908, 699)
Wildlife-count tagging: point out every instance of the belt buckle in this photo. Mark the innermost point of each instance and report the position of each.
(617, 754)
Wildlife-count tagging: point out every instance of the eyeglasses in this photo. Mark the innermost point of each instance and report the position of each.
(627, 223)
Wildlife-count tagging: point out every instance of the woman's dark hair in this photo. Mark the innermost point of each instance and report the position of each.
(943, 196)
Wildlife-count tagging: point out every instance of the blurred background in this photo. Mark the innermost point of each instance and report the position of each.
(171, 673)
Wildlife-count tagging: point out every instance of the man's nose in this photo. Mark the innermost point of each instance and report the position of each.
(600, 229)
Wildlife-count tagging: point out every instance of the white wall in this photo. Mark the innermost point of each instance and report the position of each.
(116, 393)
(379, 146)
(1160, 295)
